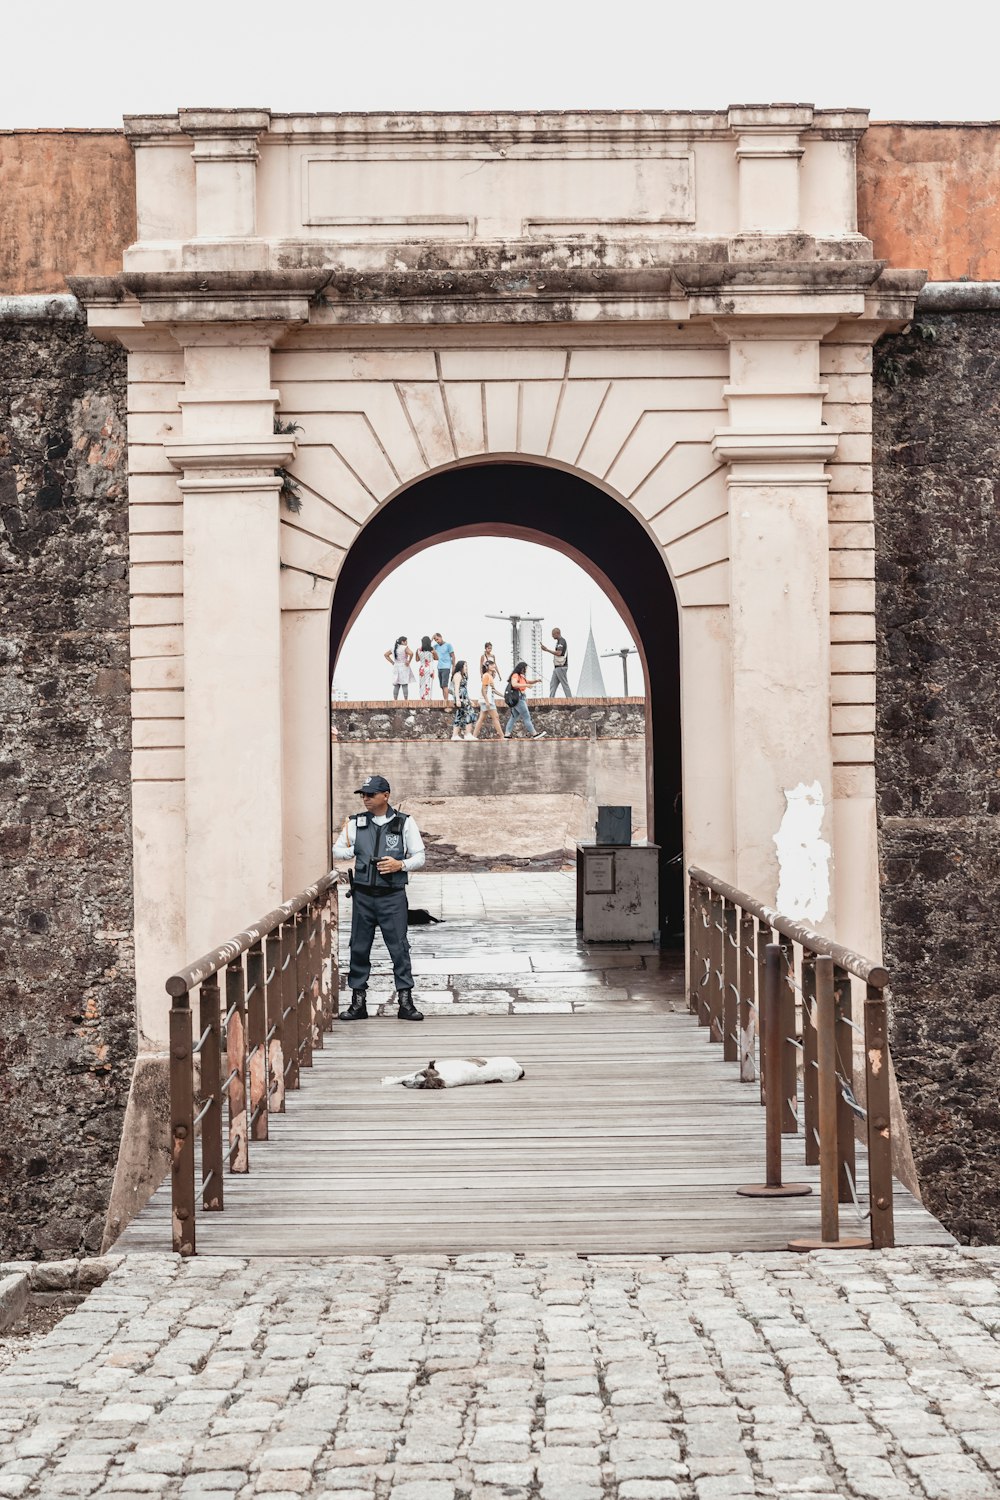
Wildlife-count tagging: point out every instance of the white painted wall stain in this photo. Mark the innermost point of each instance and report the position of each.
(803, 855)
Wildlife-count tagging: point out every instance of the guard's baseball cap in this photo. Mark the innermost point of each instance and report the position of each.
(374, 784)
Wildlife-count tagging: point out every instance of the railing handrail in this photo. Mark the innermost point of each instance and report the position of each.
(824, 947)
(217, 959)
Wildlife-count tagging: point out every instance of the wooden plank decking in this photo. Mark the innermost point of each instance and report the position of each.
(629, 1134)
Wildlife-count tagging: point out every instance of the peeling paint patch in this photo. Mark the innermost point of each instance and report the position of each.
(803, 855)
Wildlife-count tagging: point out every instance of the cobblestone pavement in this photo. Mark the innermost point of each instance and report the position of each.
(496, 1377)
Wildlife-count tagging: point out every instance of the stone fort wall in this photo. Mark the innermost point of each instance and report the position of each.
(67, 998)
(67, 1012)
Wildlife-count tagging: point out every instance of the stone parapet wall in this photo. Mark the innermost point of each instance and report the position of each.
(67, 201)
(575, 718)
(67, 1005)
(937, 487)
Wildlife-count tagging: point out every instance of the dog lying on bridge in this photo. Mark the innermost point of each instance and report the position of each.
(453, 1072)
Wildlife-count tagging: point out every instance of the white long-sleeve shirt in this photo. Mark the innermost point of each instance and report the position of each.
(414, 853)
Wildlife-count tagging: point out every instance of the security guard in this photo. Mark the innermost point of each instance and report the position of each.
(385, 845)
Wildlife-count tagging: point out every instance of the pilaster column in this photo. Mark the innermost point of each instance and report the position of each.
(232, 628)
(768, 150)
(776, 448)
(225, 158)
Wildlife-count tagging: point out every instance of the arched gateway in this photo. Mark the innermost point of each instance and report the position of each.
(675, 309)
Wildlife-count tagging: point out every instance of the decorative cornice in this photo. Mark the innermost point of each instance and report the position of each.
(731, 445)
(242, 453)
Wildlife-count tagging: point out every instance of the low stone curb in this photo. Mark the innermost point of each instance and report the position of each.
(20, 1280)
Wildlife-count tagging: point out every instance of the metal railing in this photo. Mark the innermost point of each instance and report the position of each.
(779, 1028)
(281, 988)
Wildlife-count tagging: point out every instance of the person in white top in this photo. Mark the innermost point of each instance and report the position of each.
(385, 845)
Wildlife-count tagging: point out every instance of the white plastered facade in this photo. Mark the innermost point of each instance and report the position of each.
(677, 308)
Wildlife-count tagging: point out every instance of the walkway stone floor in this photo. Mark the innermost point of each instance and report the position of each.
(507, 944)
(496, 1377)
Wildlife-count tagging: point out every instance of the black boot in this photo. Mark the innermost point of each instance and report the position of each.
(407, 1010)
(358, 1009)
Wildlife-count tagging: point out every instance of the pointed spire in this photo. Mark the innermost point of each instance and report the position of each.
(591, 683)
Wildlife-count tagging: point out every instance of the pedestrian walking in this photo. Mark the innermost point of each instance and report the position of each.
(426, 663)
(399, 658)
(464, 710)
(517, 685)
(445, 655)
(560, 665)
(385, 845)
(487, 662)
(487, 706)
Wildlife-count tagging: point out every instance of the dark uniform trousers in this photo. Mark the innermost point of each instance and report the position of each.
(387, 912)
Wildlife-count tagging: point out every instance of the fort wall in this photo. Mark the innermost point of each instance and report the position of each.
(67, 201)
(67, 987)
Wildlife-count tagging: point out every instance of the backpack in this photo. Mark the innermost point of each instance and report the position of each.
(511, 695)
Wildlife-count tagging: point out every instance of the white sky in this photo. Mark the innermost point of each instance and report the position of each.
(454, 586)
(88, 64)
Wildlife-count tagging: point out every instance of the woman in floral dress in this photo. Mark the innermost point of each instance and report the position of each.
(426, 670)
(465, 713)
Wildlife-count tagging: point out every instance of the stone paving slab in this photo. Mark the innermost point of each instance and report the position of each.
(501, 1377)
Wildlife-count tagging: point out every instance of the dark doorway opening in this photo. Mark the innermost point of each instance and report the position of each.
(563, 510)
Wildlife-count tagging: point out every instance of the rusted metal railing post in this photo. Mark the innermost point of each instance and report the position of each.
(257, 1038)
(879, 1127)
(331, 961)
(747, 1009)
(303, 988)
(730, 988)
(236, 1056)
(182, 1126)
(210, 1114)
(828, 1102)
(810, 1063)
(289, 1005)
(846, 1103)
(789, 1051)
(274, 988)
(314, 949)
(764, 938)
(771, 1002)
(826, 1052)
(693, 945)
(713, 990)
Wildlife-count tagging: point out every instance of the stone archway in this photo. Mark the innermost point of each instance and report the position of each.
(563, 510)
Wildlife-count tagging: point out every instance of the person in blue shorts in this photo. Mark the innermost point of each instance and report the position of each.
(446, 658)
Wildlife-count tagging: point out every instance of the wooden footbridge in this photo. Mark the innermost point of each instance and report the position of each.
(633, 1131)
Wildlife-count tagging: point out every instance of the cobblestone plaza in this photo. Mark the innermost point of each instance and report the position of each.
(499, 1377)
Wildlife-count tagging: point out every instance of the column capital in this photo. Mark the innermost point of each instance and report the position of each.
(242, 455)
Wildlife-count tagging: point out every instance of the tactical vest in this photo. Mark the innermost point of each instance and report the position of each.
(374, 841)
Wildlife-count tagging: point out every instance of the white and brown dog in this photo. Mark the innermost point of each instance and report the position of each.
(453, 1072)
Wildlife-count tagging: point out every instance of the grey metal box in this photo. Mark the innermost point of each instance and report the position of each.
(614, 825)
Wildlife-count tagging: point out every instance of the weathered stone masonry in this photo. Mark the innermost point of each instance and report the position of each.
(67, 1002)
(66, 995)
(937, 486)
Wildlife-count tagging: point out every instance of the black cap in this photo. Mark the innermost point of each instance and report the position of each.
(374, 784)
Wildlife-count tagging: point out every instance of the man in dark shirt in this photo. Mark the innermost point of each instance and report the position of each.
(560, 667)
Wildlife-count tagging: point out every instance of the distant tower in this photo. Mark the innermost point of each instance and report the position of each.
(532, 650)
(591, 683)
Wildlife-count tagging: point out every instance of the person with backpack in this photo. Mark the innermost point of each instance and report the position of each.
(513, 695)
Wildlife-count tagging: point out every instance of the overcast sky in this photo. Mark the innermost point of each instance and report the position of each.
(455, 586)
(88, 64)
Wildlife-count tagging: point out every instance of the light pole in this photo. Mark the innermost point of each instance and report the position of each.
(623, 655)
